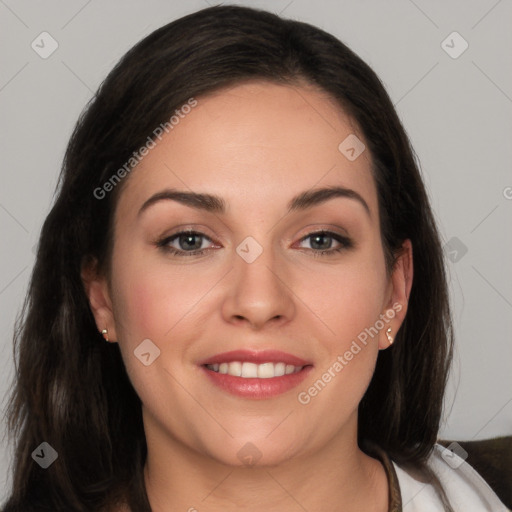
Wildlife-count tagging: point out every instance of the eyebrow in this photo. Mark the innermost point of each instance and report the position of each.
(215, 204)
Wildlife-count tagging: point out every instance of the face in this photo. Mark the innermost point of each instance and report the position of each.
(266, 281)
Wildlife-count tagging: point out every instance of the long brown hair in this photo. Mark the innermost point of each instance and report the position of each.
(71, 389)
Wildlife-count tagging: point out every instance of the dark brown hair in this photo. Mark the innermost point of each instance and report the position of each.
(71, 389)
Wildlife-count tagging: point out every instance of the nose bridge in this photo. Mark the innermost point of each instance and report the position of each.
(258, 291)
(255, 264)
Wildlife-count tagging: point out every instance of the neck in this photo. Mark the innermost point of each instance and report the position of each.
(338, 476)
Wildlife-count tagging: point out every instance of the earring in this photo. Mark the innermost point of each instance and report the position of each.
(388, 334)
(104, 332)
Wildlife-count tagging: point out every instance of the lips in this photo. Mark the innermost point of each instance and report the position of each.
(256, 357)
(256, 374)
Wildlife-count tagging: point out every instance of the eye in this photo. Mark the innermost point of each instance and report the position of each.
(189, 243)
(321, 243)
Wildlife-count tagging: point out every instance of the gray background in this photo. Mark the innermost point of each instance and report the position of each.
(457, 112)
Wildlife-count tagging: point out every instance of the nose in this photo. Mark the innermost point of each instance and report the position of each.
(258, 293)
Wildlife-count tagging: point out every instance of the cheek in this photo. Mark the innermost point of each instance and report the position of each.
(348, 297)
(152, 300)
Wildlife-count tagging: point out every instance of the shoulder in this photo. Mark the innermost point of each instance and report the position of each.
(465, 488)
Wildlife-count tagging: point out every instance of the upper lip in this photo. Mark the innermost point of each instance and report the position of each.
(255, 356)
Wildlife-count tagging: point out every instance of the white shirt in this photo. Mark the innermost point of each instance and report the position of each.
(466, 490)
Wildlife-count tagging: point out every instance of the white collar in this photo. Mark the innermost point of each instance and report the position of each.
(466, 490)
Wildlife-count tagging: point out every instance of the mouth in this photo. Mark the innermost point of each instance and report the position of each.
(256, 374)
(248, 370)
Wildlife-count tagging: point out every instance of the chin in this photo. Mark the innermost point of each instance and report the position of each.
(253, 452)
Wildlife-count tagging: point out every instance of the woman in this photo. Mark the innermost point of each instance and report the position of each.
(239, 299)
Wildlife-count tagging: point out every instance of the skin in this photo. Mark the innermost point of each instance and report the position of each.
(256, 145)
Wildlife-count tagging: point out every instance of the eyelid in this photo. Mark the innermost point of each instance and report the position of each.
(164, 240)
(186, 228)
(344, 240)
(322, 228)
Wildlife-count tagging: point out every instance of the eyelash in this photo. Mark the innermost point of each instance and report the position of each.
(345, 242)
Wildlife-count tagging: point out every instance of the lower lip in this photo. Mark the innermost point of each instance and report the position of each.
(257, 389)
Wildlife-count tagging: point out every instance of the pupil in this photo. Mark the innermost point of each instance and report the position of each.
(320, 236)
(185, 239)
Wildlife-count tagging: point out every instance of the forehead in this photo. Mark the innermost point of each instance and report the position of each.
(255, 144)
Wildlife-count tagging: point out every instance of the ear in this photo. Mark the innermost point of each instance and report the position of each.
(97, 291)
(399, 292)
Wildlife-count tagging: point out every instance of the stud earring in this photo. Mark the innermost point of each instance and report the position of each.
(104, 332)
(388, 334)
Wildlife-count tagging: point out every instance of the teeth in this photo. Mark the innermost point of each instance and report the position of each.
(279, 369)
(235, 368)
(249, 370)
(265, 371)
(253, 370)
